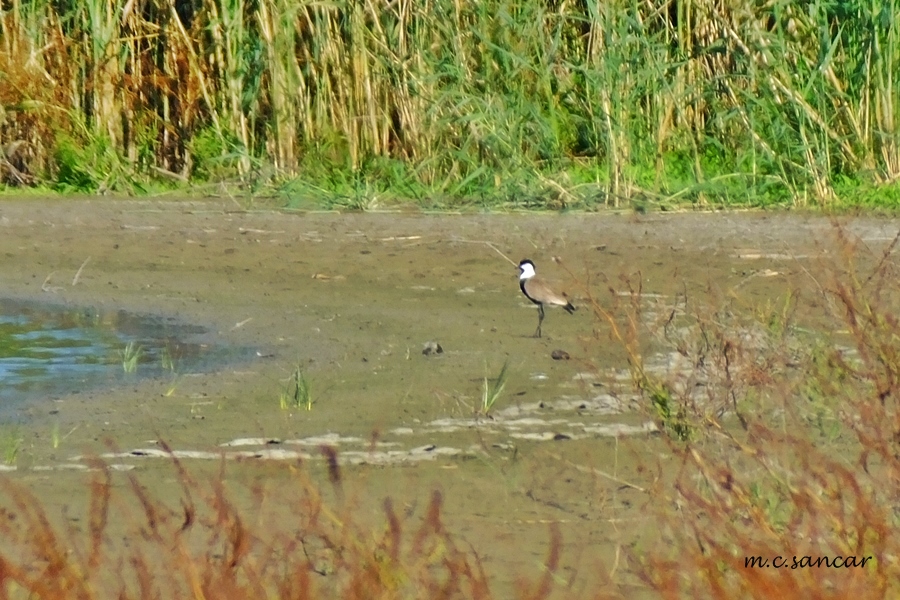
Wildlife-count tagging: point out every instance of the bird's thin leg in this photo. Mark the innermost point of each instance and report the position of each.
(537, 333)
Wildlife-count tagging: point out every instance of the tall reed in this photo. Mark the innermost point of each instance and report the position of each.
(699, 102)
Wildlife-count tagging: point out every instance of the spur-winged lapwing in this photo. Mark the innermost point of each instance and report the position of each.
(539, 292)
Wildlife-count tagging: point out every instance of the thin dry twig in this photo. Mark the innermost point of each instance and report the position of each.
(80, 269)
(595, 471)
(491, 246)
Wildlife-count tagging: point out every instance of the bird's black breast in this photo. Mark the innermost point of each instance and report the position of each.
(524, 291)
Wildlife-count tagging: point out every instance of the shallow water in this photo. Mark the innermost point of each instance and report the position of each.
(49, 350)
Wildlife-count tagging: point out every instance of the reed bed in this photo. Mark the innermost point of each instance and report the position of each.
(532, 103)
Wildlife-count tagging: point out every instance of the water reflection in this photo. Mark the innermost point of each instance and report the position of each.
(47, 350)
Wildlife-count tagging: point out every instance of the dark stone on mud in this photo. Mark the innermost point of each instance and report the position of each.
(561, 436)
(559, 355)
(432, 348)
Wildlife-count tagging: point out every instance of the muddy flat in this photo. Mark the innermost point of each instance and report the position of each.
(352, 300)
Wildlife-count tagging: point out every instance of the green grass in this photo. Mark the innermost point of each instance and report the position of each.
(168, 360)
(499, 104)
(493, 388)
(298, 393)
(11, 441)
(131, 355)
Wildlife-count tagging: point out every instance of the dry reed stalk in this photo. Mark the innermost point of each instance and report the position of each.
(784, 485)
(205, 543)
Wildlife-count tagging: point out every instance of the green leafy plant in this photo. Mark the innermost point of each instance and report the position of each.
(672, 418)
